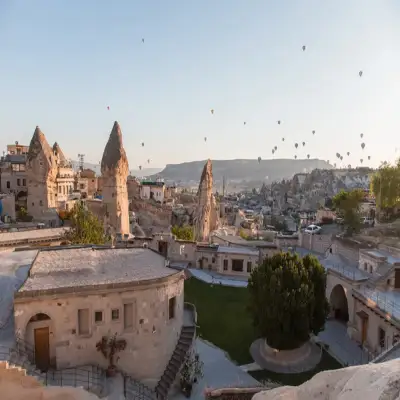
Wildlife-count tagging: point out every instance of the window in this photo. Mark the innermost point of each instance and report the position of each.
(171, 307)
(8, 185)
(115, 314)
(237, 265)
(98, 316)
(365, 266)
(40, 203)
(23, 182)
(382, 337)
(248, 266)
(82, 186)
(225, 265)
(83, 321)
(18, 182)
(128, 316)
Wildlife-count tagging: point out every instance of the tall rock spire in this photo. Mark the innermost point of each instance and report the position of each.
(41, 169)
(114, 170)
(61, 160)
(206, 218)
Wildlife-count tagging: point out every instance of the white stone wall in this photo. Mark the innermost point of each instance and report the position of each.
(230, 257)
(374, 323)
(147, 353)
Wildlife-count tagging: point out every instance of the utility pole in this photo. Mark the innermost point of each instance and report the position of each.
(81, 159)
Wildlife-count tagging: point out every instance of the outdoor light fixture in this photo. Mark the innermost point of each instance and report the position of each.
(154, 329)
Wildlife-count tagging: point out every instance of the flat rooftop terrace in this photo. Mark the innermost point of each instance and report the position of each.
(89, 267)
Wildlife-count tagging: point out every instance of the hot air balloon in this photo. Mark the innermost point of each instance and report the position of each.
(360, 73)
(341, 158)
(205, 138)
(259, 159)
(142, 40)
(244, 123)
(361, 135)
(296, 145)
(148, 161)
(279, 122)
(361, 160)
(142, 144)
(304, 48)
(362, 145)
(212, 111)
(273, 151)
(337, 155)
(308, 156)
(348, 153)
(295, 157)
(283, 139)
(108, 107)
(276, 148)
(304, 143)
(140, 167)
(369, 157)
(349, 166)
(313, 132)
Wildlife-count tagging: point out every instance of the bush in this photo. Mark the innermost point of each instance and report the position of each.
(287, 299)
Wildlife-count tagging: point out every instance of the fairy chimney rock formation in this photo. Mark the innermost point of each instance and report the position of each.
(60, 158)
(114, 170)
(206, 219)
(41, 169)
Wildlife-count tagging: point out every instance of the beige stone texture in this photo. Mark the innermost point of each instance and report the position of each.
(206, 218)
(150, 342)
(367, 382)
(114, 170)
(41, 171)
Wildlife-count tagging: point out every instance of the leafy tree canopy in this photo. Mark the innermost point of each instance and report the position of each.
(86, 228)
(183, 232)
(287, 299)
(385, 185)
(348, 205)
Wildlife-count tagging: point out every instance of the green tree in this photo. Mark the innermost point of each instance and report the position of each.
(287, 299)
(183, 232)
(86, 228)
(385, 185)
(348, 205)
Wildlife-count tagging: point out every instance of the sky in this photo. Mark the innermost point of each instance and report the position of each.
(62, 63)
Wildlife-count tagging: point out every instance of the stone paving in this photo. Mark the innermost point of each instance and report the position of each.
(344, 349)
(216, 279)
(219, 372)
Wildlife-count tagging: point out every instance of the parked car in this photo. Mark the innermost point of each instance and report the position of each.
(313, 229)
(367, 221)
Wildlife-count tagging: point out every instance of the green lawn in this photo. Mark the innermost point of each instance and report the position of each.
(222, 317)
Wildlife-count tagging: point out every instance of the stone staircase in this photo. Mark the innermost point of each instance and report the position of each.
(175, 363)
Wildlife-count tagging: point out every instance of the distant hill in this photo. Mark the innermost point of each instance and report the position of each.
(241, 170)
(133, 172)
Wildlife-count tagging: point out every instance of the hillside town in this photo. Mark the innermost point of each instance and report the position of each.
(100, 272)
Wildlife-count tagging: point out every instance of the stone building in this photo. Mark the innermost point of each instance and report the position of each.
(114, 170)
(74, 297)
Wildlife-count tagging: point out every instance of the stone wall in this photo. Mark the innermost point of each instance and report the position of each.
(317, 243)
(150, 343)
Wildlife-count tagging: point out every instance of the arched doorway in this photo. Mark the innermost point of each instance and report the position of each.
(37, 333)
(338, 303)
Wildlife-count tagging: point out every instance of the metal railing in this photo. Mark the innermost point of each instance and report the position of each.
(90, 377)
(348, 272)
(392, 307)
(134, 389)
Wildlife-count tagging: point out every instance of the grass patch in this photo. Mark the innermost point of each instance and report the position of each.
(223, 317)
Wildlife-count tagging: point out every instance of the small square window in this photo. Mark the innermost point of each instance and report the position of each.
(98, 316)
(115, 314)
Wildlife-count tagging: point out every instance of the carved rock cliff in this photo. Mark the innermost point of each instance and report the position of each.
(206, 218)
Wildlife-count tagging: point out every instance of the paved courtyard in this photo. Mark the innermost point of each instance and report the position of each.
(219, 372)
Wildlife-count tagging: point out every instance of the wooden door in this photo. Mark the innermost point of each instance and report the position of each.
(364, 323)
(42, 348)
